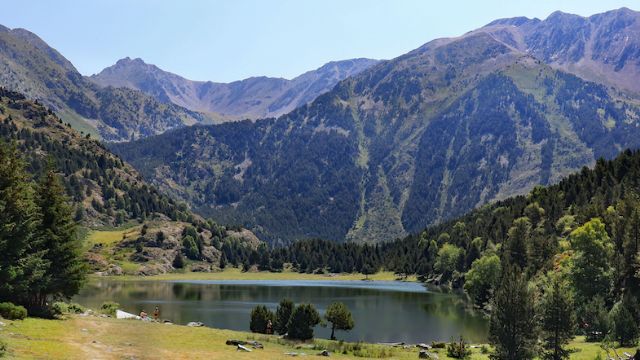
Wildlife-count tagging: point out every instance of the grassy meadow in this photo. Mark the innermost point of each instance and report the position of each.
(92, 337)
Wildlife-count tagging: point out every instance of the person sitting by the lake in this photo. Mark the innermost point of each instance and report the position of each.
(156, 314)
(143, 315)
(269, 328)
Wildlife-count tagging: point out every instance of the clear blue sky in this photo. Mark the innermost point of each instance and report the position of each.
(234, 39)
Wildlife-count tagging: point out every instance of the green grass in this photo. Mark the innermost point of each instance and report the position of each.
(82, 337)
(231, 273)
(79, 123)
(110, 251)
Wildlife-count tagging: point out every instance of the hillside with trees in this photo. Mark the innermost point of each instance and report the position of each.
(104, 191)
(409, 142)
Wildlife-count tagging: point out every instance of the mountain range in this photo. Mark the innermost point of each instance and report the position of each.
(413, 141)
(386, 148)
(150, 101)
(252, 98)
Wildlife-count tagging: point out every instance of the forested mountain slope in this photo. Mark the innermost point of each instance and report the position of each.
(408, 142)
(30, 66)
(253, 98)
(107, 192)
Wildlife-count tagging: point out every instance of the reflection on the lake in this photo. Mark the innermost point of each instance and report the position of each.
(383, 311)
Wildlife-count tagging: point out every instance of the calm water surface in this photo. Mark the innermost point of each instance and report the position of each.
(383, 311)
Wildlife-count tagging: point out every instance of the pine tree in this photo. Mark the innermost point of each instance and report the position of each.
(303, 319)
(21, 253)
(623, 326)
(178, 261)
(558, 320)
(260, 317)
(340, 318)
(66, 272)
(516, 245)
(283, 314)
(512, 327)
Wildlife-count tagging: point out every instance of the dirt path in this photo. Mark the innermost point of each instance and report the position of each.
(98, 340)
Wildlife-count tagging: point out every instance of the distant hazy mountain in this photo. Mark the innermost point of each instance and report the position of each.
(253, 98)
(29, 65)
(408, 142)
(603, 47)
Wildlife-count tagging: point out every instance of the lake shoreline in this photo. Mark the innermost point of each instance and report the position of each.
(237, 274)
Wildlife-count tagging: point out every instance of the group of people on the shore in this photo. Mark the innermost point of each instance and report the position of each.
(156, 314)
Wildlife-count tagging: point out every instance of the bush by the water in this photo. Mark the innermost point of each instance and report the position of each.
(109, 308)
(260, 317)
(67, 308)
(10, 311)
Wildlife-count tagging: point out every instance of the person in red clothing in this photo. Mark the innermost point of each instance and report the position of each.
(156, 314)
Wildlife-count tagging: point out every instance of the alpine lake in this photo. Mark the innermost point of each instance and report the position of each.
(383, 311)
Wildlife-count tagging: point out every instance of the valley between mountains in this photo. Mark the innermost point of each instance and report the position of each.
(483, 188)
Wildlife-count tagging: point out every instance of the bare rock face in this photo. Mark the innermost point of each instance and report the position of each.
(95, 261)
(201, 268)
(211, 254)
(245, 236)
(154, 269)
(114, 270)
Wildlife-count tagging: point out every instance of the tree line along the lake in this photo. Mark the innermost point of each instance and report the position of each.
(296, 322)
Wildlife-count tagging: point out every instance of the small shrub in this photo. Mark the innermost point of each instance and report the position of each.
(109, 308)
(10, 311)
(75, 308)
(458, 350)
(438, 345)
(484, 349)
(60, 307)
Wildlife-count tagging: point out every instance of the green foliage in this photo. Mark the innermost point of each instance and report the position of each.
(482, 278)
(591, 270)
(84, 166)
(557, 320)
(594, 318)
(340, 318)
(449, 259)
(283, 315)
(66, 271)
(109, 308)
(67, 308)
(512, 327)
(22, 266)
(624, 328)
(516, 245)
(303, 318)
(10, 311)
(190, 248)
(458, 350)
(260, 317)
